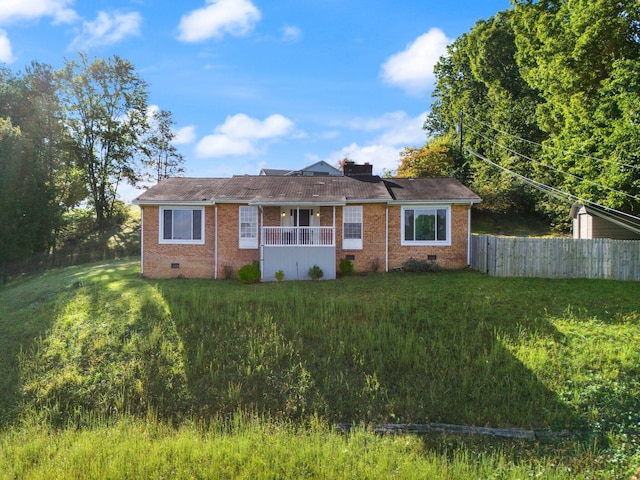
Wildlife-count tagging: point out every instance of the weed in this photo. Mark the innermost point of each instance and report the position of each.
(345, 266)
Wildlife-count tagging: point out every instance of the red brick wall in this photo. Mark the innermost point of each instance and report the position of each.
(449, 258)
(229, 255)
(196, 261)
(373, 238)
(271, 216)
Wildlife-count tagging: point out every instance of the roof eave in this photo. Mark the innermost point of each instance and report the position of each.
(198, 203)
(457, 201)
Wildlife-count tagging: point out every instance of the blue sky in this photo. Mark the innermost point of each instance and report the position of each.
(262, 83)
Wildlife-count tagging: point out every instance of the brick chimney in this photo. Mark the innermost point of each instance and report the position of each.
(351, 169)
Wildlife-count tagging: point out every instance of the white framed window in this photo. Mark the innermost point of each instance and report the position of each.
(182, 225)
(352, 227)
(248, 227)
(426, 225)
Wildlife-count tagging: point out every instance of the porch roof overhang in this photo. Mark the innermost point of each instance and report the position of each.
(298, 204)
(319, 201)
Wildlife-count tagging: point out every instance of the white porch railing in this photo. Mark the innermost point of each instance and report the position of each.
(293, 236)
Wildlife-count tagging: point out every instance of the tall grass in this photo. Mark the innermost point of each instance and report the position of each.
(87, 346)
(245, 450)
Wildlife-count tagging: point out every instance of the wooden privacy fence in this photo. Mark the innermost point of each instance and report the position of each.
(556, 257)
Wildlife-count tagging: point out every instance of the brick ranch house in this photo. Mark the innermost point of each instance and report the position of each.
(208, 227)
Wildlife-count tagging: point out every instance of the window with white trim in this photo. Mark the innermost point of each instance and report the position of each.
(352, 227)
(182, 225)
(248, 234)
(426, 226)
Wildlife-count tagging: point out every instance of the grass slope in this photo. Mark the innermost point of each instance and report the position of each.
(90, 345)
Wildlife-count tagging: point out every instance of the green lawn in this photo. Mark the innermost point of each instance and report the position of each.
(98, 348)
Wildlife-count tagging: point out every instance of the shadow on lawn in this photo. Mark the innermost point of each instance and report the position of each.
(296, 355)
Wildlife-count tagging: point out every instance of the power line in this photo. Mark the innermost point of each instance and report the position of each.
(618, 217)
(633, 197)
(588, 157)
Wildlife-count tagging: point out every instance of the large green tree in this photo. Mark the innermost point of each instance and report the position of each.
(583, 57)
(106, 113)
(36, 172)
(481, 95)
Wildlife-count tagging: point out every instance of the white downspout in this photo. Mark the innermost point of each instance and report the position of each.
(334, 227)
(215, 244)
(469, 235)
(142, 240)
(386, 239)
(261, 243)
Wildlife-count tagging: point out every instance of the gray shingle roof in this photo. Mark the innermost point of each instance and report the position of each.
(182, 189)
(431, 189)
(264, 189)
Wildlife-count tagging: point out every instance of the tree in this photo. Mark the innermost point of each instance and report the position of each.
(479, 88)
(106, 104)
(583, 56)
(162, 158)
(36, 173)
(426, 161)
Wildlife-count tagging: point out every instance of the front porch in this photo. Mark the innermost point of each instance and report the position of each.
(294, 250)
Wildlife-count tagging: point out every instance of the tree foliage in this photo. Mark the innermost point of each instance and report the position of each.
(37, 176)
(162, 158)
(106, 116)
(72, 137)
(548, 90)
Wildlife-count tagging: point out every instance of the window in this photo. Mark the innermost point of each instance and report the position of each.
(352, 228)
(248, 227)
(425, 226)
(181, 225)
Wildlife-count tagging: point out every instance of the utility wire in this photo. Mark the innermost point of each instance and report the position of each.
(616, 216)
(635, 167)
(633, 197)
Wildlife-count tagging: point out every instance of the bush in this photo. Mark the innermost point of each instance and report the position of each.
(345, 266)
(315, 273)
(249, 273)
(279, 275)
(419, 265)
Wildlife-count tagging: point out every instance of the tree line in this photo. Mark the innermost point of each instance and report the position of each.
(72, 137)
(547, 91)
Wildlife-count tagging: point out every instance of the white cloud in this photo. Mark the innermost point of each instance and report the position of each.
(217, 17)
(291, 33)
(6, 56)
(185, 135)
(15, 10)
(382, 157)
(107, 29)
(243, 126)
(412, 69)
(391, 133)
(220, 145)
(241, 134)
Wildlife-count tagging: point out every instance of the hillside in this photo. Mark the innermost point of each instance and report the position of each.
(98, 341)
